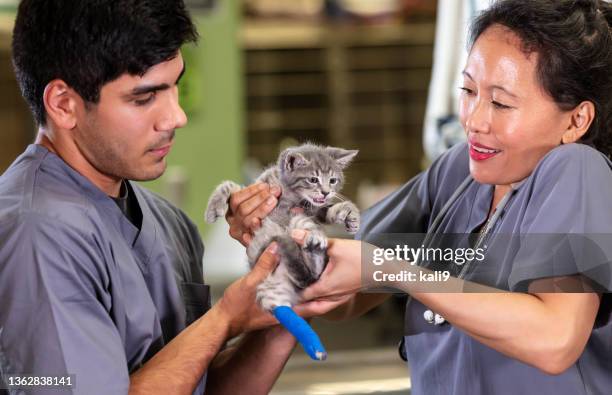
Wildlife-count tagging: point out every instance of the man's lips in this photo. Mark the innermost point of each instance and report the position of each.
(162, 151)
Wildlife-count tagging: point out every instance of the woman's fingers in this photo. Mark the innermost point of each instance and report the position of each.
(299, 235)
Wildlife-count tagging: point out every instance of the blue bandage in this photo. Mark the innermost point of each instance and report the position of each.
(302, 331)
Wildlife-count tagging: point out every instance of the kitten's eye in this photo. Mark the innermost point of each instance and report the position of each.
(313, 180)
(333, 181)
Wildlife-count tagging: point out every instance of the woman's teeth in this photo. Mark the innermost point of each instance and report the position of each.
(484, 150)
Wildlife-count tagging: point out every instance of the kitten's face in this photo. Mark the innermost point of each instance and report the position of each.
(319, 186)
(314, 174)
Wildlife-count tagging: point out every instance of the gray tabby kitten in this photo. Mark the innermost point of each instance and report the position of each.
(310, 177)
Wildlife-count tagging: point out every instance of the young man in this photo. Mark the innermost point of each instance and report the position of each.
(100, 278)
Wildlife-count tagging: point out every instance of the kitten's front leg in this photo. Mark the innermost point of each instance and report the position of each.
(218, 202)
(316, 238)
(344, 213)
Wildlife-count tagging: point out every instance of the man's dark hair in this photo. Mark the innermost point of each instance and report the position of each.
(88, 43)
(573, 41)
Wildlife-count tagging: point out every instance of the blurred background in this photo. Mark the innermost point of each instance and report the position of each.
(268, 74)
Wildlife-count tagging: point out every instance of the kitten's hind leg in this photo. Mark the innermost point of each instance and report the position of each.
(277, 290)
(218, 202)
(281, 288)
(261, 238)
(314, 250)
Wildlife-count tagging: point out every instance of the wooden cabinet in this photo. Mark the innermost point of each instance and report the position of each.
(354, 86)
(16, 122)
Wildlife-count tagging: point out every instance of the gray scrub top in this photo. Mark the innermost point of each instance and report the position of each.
(569, 192)
(82, 290)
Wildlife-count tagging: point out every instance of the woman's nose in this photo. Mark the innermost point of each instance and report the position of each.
(477, 120)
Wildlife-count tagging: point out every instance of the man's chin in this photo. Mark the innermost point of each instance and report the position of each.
(150, 174)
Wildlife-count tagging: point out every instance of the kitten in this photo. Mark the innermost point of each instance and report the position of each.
(310, 177)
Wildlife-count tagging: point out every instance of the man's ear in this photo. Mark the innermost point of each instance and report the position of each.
(61, 103)
(581, 119)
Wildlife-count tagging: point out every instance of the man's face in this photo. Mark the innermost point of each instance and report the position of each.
(131, 130)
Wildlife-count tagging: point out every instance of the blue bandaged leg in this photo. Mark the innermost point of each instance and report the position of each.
(302, 331)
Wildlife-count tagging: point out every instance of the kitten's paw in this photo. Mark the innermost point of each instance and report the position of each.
(347, 214)
(218, 202)
(315, 241)
(214, 212)
(352, 222)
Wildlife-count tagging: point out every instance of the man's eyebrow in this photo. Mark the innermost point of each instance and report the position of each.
(468, 75)
(143, 89)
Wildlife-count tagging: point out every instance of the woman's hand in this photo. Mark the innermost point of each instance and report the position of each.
(335, 295)
(248, 207)
(342, 276)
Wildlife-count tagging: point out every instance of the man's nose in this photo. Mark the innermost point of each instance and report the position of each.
(173, 116)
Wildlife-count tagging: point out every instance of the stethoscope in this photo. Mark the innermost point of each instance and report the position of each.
(429, 315)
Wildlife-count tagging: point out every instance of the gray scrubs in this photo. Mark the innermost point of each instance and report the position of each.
(83, 291)
(569, 192)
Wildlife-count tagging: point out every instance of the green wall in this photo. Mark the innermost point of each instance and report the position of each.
(211, 147)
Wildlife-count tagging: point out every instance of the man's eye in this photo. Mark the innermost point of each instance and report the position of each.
(313, 180)
(145, 101)
(333, 181)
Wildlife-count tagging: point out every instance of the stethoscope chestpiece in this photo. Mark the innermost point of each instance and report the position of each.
(433, 318)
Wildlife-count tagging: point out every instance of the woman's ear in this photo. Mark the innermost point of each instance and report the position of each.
(60, 104)
(581, 119)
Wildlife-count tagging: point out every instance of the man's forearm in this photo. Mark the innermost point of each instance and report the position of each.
(254, 363)
(179, 366)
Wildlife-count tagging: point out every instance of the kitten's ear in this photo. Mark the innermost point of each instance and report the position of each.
(342, 156)
(290, 160)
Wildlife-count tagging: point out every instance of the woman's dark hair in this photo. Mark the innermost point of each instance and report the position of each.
(88, 43)
(574, 45)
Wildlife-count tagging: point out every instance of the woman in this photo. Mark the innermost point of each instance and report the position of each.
(536, 110)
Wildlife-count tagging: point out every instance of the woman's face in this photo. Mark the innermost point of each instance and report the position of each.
(511, 123)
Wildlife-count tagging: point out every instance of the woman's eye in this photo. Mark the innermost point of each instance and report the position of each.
(332, 181)
(145, 101)
(499, 105)
(467, 90)
(313, 180)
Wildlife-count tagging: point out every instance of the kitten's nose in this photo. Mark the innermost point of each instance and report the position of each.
(325, 193)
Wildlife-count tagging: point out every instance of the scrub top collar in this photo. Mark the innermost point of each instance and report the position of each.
(141, 241)
(479, 211)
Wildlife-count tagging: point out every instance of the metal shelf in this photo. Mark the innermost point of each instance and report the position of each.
(356, 86)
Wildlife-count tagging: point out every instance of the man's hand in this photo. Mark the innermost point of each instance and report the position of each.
(238, 305)
(248, 207)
